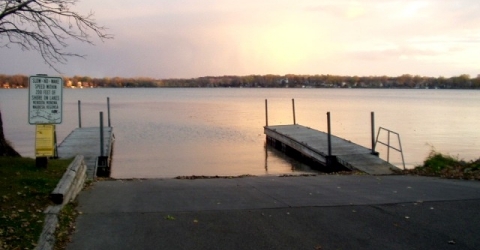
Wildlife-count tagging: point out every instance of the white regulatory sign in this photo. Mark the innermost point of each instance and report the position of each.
(45, 100)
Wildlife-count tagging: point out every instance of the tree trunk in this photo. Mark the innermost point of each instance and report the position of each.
(5, 148)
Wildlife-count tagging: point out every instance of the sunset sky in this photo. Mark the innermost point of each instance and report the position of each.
(192, 38)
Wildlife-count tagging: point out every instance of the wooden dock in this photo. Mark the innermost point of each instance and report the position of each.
(314, 145)
(86, 142)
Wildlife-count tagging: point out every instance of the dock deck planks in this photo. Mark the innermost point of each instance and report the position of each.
(86, 142)
(314, 144)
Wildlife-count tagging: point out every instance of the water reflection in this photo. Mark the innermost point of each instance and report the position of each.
(295, 166)
(171, 132)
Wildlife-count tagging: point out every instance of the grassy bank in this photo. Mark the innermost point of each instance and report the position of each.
(24, 191)
(446, 166)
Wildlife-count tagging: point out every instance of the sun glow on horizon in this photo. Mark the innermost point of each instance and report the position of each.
(286, 46)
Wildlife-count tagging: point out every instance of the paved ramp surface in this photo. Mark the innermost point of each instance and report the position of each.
(320, 212)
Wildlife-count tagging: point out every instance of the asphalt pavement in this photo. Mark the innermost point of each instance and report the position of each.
(271, 212)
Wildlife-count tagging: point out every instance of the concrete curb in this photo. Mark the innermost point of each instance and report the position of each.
(67, 189)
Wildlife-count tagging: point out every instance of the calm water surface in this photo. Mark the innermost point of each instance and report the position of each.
(172, 132)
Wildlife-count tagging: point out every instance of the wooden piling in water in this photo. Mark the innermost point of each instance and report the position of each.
(108, 112)
(372, 121)
(79, 114)
(266, 112)
(101, 134)
(293, 107)
(329, 135)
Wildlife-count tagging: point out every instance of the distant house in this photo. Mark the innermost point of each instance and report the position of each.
(283, 81)
(6, 85)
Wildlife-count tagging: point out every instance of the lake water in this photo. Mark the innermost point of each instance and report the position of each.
(171, 132)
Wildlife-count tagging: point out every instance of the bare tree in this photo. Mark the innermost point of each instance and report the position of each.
(44, 26)
(5, 148)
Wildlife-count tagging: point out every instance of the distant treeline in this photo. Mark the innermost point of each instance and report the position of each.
(262, 81)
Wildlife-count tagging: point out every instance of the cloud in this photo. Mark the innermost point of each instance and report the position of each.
(190, 38)
(343, 10)
(400, 53)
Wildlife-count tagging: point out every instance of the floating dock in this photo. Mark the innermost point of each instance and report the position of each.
(86, 142)
(314, 145)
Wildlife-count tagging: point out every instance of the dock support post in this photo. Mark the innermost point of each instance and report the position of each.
(108, 111)
(293, 107)
(79, 114)
(372, 118)
(329, 135)
(102, 166)
(101, 135)
(266, 113)
(330, 160)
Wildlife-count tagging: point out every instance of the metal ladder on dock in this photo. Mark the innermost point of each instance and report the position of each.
(387, 144)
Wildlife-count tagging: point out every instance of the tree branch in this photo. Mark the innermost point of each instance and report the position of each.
(45, 26)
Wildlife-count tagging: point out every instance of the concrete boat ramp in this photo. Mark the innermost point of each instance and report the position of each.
(314, 144)
(316, 212)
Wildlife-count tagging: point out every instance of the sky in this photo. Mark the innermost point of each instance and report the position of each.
(193, 38)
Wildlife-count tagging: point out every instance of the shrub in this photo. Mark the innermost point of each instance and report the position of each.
(438, 161)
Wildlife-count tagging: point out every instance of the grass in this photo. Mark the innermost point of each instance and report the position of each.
(446, 166)
(66, 225)
(24, 191)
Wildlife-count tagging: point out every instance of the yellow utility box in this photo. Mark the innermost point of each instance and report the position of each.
(45, 140)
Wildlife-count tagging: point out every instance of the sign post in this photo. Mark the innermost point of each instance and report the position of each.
(45, 106)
